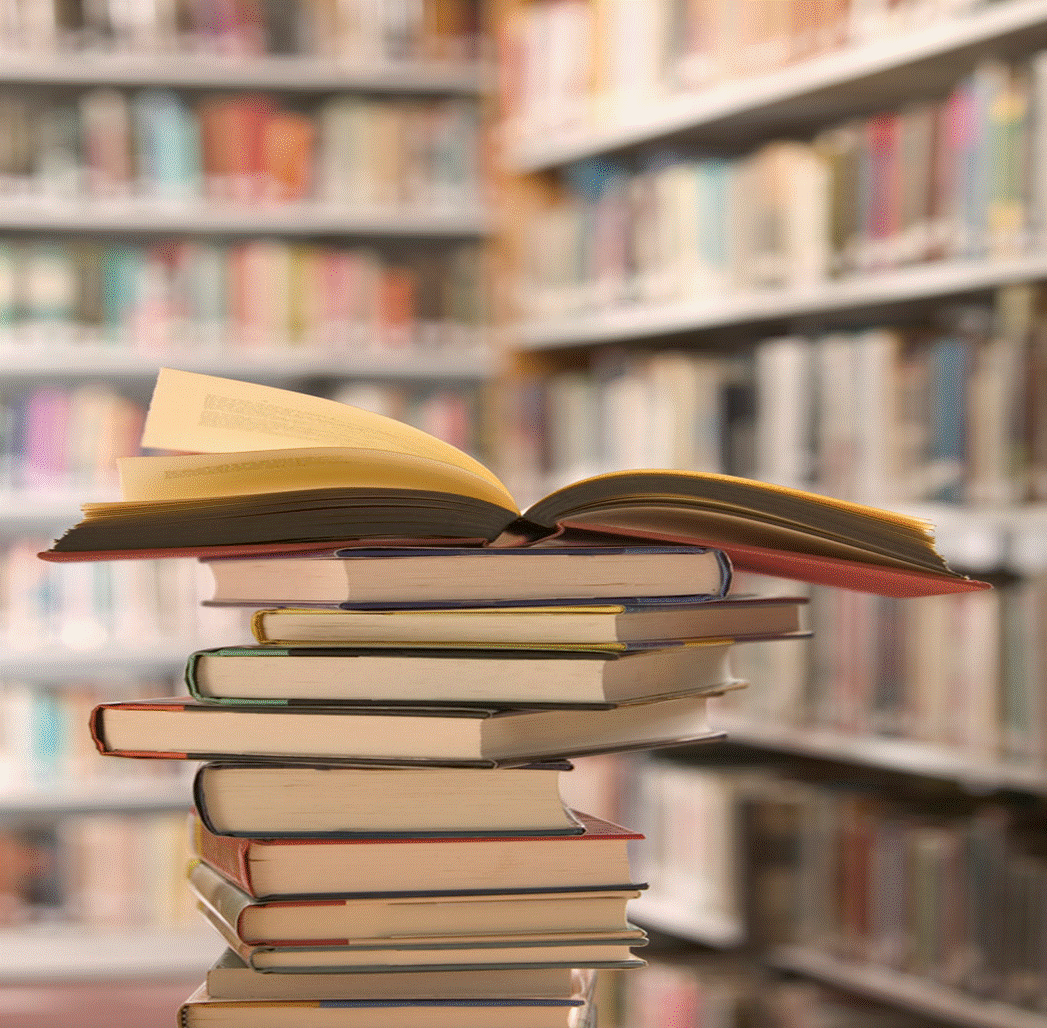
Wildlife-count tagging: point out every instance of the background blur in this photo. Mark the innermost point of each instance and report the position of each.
(796, 239)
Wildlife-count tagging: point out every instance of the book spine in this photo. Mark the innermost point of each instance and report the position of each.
(227, 855)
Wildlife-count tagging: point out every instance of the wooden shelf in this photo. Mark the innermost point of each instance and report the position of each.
(811, 93)
(305, 218)
(72, 953)
(672, 918)
(919, 995)
(199, 71)
(874, 293)
(86, 360)
(103, 796)
(972, 771)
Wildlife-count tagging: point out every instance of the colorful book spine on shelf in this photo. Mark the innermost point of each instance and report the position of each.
(260, 294)
(953, 179)
(244, 148)
(431, 30)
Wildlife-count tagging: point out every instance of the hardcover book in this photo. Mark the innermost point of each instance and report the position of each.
(179, 728)
(268, 467)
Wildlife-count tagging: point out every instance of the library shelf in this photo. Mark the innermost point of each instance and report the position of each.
(61, 665)
(24, 512)
(143, 215)
(98, 797)
(873, 292)
(283, 73)
(813, 92)
(79, 953)
(971, 771)
(671, 917)
(273, 363)
(910, 992)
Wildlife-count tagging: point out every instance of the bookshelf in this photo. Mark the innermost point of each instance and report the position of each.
(860, 300)
(907, 991)
(100, 283)
(648, 329)
(298, 219)
(285, 73)
(822, 89)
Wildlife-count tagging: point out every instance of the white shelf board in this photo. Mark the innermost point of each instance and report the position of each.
(103, 796)
(919, 995)
(284, 73)
(828, 84)
(972, 771)
(664, 915)
(113, 362)
(70, 953)
(60, 665)
(39, 511)
(870, 291)
(301, 218)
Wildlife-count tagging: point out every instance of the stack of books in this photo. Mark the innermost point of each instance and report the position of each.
(378, 831)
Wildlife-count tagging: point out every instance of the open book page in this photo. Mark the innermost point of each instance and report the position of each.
(201, 476)
(196, 413)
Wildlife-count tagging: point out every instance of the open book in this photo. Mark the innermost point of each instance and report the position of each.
(265, 470)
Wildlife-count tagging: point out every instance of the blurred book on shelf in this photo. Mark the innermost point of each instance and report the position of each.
(361, 32)
(572, 64)
(253, 148)
(956, 178)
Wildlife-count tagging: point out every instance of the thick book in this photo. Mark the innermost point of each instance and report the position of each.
(260, 467)
(605, 624)
(384, 920)
(241, 798)
(558, 676)
(202, 1010)
(564, 949)
(231, 978)
(267, 868)
(180, 728)
(445, 575)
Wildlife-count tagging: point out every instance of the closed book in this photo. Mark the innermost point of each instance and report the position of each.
(563, 676)
(234, 798)
(603, 624)
(231, 978)
(564, 949)
(385, 920)
(260, 466)
(203, 1011)
(473, 574)
(268, 868)
(176, 727)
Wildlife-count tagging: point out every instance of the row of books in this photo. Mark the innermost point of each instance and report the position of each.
(959, 178)
(662, 409)
(43, 745)
(57, 438)
(262, 294)
(953, 896)
(98, 871)
(965, 673)
(349, 150)
(949, 414)
(356, 30)
(134, 607)
(575, 62)
(939, 886)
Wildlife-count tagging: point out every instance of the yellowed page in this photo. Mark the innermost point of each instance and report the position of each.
(206, 414)
(203, 475)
